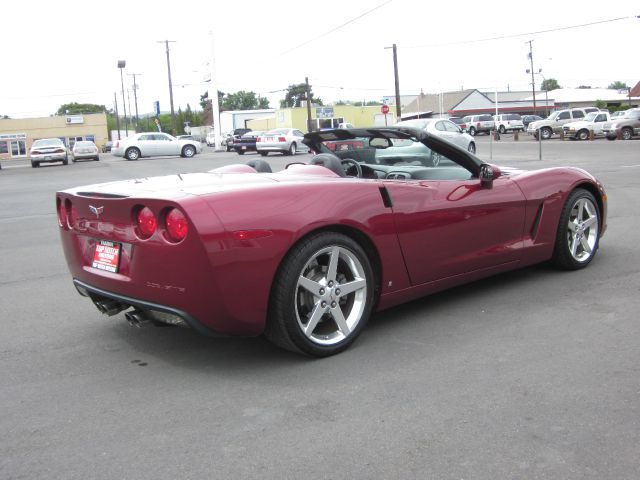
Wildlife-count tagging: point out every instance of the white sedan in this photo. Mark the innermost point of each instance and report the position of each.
(154, 144)
(444, 129)
(284, 140)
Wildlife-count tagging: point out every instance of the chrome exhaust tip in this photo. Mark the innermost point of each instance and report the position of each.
(110, 307)
(136, 318)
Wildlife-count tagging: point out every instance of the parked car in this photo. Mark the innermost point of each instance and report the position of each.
(284, 140)
(617, 114)
(47, 150)
(247, 142)
(306, 255)
(107, 147)
(527, 119)
(85, 150)
(185, 137)
(154, 144)
(554, 122)
(231, 137)
(582, 129)
(459, 121)
(508, 122)
(443, 128)
(479, 124)
(625, 127)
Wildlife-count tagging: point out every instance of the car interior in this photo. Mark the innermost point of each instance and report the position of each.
(380, 158)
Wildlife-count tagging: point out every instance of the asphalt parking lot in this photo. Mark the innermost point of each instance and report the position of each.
(533, 374)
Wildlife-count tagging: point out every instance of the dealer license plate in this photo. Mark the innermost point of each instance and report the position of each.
(106, 256)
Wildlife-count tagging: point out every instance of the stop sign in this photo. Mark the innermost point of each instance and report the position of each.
(384, 109)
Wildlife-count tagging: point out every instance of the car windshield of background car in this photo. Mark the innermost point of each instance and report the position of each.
(47, 143)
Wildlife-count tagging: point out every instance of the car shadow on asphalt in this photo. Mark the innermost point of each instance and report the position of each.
(185, 348)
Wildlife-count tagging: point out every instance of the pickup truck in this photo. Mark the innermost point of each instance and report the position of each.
(625, 127)
(581, 130)
(554, 122)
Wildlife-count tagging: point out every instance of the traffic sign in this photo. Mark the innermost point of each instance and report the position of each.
(384, 109)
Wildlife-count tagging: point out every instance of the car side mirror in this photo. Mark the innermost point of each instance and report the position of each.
(488, 173)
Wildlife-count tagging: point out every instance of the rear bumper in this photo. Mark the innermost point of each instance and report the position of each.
(97, 294)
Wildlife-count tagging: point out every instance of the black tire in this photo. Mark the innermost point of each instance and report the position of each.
(472, 131)
(264, 154)
(35, 164)
(97, 159)
(188, 151)
(626, 133)
(472, 147)
(132, 154)
(611, 137)
(546, 133)
(583, 135)
(66, 160)
(240, 152)
(292, 305)
(292, 149)
(502, 130)
(577, 238)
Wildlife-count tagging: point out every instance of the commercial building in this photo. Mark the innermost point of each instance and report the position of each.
(17, 135)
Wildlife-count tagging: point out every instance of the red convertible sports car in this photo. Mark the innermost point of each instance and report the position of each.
(379, 216)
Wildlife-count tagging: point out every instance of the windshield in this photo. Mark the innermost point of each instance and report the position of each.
(84, 144)
(553, 115)
(591, 116)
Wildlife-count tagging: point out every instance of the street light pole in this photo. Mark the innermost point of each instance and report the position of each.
(533, 82)
(135, 95)
(173, 114)
(121, 65)
(115, 102)
(309, 125)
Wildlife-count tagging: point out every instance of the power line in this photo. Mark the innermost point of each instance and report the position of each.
(516, 35)
(334, 29)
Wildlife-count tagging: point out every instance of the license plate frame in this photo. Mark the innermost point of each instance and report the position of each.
(106, 256)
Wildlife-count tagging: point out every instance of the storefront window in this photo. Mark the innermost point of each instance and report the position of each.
(4, 148)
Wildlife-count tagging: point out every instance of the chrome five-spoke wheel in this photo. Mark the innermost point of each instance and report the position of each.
(322, 296)
(578, 231)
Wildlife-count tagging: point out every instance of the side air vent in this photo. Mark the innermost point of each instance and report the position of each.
(386, 198)
(536, 222)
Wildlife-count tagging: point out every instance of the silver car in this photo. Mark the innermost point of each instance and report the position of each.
(284, 140)
(444, 129)
(85, 150)
(154, 144)
(48, 150)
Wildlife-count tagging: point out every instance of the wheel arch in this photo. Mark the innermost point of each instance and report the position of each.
(593, 190)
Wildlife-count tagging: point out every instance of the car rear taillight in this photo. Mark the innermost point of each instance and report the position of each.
(259, 139)
(117, 144)
(282, 139)
(147, 223)
(62, 214)
(176, 225)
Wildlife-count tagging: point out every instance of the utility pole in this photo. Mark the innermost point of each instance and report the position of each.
(121, 65)
(135, 95)
(309, 125)
(397, 81)
(533, 82)
(115, 102)
(173, 114)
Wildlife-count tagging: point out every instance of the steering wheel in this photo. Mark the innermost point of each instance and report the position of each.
(347, 163)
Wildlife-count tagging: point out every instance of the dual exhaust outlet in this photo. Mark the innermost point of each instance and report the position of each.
(135, 317)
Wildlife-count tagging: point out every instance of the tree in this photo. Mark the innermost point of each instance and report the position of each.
(618, 85)
(296, 94)
(550, 84)
(80, 108)
(204, 100)
(601, 104)
(243, 100)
